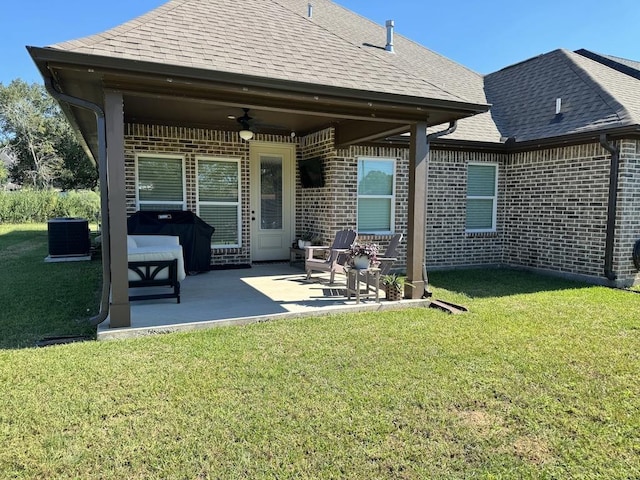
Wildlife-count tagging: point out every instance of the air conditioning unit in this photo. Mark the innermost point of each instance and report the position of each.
(68, 237)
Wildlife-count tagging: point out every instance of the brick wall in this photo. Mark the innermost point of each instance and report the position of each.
(556, 209)
(448, 244)
(191, 143)
(333, 207)
(314, 206)
(552, 204)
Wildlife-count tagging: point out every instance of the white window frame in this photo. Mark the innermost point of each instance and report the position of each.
(238, 162)
(171, 205)
(493, 198)
(392, 214)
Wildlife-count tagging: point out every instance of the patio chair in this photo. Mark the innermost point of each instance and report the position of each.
(389, 256)
(334, 258)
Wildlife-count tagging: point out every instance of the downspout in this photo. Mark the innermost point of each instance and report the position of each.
(452, 128)
(612, 206)
(104, 193)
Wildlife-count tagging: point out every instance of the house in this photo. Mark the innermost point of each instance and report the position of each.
(565, 183)
(160, 103)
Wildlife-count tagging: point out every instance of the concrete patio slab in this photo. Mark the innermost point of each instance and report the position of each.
(241, 296)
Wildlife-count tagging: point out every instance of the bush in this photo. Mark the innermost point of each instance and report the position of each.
(38, 206)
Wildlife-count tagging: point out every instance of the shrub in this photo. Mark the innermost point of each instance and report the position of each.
(37, 206)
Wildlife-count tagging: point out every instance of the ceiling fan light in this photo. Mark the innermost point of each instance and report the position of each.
(246, 135)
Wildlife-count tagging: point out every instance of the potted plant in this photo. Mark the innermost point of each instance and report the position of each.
(363, 255)
(394, 286)
(306, 240)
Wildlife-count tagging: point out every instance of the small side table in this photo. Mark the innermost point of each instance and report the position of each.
(372, 279)
(296, 255)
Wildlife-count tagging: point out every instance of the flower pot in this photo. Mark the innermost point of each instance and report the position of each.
(361, 262)
(303, 243)
(392, 293)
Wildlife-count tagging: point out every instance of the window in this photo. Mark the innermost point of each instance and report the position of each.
(482, 188)
(160, 183)
(219, 199)
(376, 195)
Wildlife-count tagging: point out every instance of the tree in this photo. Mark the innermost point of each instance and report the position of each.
(47, 153)
(7, 158)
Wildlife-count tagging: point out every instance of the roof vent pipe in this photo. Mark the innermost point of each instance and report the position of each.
(558, 105)
(389, 24)
(310, 10)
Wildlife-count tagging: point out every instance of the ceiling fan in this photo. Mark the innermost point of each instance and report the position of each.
(251, 125)
(245, 120)
(247, 132)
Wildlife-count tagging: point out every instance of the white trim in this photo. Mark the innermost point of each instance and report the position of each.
(183, 204)
(238, 162)
(392, 197)
(493, 198)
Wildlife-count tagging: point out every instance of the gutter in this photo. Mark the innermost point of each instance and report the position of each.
(104, 190)
(452, 128)
(611, 207)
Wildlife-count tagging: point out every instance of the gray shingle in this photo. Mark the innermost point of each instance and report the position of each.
(593, 97)
(274, 38)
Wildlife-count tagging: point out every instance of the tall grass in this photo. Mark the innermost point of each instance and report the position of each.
(27, 206)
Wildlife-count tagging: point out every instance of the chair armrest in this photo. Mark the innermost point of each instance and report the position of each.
(386, 259)
(310, 250)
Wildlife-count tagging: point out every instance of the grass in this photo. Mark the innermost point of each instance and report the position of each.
(42, 299)
(538, 380)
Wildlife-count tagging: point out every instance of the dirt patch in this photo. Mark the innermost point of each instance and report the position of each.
(533, 450)
(480, 421)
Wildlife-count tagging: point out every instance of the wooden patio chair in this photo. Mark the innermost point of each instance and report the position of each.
(389, 256)
(334, 256)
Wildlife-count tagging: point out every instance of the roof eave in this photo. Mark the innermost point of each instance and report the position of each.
(630, 131)
(47, 58)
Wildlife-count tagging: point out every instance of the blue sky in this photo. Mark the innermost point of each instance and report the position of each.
(484, 35)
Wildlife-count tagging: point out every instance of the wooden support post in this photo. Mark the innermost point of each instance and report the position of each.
(119, 311)
(418, 163)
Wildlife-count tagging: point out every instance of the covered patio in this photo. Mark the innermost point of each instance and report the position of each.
(268, 291)
(134, 92)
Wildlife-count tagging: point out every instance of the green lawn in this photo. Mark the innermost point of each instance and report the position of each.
(538, 380)
(39, 299)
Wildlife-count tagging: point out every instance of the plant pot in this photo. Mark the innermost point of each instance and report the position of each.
(361, 262)
(393, 293)
(304, 243)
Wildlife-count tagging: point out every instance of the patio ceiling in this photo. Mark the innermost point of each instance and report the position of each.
(188, 97)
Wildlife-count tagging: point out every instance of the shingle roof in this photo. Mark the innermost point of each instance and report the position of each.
(624, 65)
(276, 39)
(594, 97)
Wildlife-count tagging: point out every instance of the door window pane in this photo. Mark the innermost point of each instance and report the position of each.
(271, 194)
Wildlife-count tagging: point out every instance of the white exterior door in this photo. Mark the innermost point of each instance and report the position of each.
(272, 200)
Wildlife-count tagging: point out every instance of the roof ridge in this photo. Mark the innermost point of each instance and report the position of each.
(590, 81)
(522, 62)
(623, 65)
